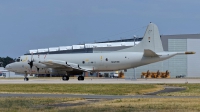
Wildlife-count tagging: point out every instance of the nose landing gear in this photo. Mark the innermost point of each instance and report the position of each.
(25, 77)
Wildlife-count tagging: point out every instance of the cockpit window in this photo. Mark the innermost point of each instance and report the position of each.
(18, 59)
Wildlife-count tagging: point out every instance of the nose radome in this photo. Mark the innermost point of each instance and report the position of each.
(7, 67)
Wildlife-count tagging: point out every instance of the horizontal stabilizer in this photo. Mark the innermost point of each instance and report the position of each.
(149, 53)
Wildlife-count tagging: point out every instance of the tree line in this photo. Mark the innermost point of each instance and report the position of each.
(6, 60)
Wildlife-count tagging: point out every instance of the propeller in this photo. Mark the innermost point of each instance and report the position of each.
(31, 64)
(38, 69)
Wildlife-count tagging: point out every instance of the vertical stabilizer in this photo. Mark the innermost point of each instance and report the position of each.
(151, 40)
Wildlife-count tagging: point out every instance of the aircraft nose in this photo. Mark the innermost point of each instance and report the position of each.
(8, 67)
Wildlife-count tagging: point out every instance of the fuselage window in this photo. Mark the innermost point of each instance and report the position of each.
(106, 59)
(83, 62)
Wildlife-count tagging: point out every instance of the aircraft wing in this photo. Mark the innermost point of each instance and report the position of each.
(64, 65)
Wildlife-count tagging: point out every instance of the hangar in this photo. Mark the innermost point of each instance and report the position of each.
(178, 65)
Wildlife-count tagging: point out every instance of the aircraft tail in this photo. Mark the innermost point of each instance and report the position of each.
(151, 40)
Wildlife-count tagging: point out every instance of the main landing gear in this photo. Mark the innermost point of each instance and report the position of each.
(65, 78)
(80, 78)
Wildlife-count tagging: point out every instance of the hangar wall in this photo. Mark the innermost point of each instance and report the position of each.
(193, 61)
(177, 64)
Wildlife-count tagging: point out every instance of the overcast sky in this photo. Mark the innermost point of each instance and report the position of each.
(34, 24)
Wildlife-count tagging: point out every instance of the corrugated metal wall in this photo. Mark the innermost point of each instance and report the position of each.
(177, 64)
(193, 61)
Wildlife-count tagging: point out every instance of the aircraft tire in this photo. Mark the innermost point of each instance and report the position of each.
(65, 78)
(83, 78)
(26, 79)
(80, 78)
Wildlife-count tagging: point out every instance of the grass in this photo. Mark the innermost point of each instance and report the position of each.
(23, 104)
(15, 104)
(101, 89)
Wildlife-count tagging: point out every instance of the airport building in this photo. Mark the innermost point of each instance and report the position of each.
(186, 65)
(7, 74)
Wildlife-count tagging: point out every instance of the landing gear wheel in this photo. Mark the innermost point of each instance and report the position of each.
(65, 78)
(80, 78)
(26, 79)
(83, 78)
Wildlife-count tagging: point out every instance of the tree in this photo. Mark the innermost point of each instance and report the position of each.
(6, 60)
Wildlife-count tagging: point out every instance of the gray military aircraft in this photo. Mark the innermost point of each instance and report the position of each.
(149, 50)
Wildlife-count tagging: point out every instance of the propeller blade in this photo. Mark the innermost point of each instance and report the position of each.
(38, 69)
(31, 63)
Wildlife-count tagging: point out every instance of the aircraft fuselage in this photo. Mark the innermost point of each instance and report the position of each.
(95, 61)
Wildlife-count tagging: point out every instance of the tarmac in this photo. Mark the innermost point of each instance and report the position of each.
(98, 81)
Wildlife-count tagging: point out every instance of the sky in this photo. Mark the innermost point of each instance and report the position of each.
(35, 24)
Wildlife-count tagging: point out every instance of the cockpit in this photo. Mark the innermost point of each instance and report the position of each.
(18, 59)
